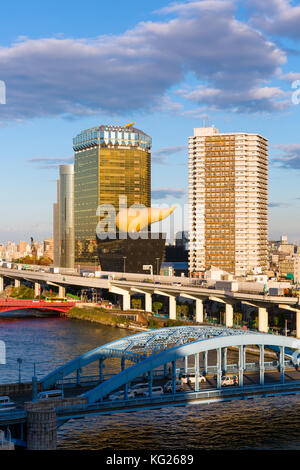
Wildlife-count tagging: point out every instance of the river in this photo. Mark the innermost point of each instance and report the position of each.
(271, 423)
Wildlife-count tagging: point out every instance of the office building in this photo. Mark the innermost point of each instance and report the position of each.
(228, 184)
(109, 162)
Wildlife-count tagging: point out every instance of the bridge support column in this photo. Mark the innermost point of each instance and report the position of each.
(282, 365)
(61, 292)
(263, 321)
(123, 363)
(197, 372)
(17, 283)
(148, 302)
(41, 426)
(228, 316)
(241, 366)
(297, 323)
(199, 310)
(172, 307)
(205, 362)
(224, 360)
(37, 289)
(261, 364)
(1, 283)
(219, 368)
(126, 301)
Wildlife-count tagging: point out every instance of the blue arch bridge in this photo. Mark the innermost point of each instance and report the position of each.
(175, 366)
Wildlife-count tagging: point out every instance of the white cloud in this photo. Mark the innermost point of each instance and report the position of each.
(134, 71)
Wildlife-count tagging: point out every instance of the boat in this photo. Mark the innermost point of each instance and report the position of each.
(6, 404)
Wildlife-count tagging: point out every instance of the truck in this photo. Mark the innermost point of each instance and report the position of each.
(54, 270)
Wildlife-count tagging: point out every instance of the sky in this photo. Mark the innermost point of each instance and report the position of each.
(167, 66)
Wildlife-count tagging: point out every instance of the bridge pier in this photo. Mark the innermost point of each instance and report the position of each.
(199, 310)
(41, 426)
(37, 289)
(17, 283)
(263, 321)
(1, 283)
(228, 315)
(297, 323)
(172, 307)
(61, 292)
(148, 302)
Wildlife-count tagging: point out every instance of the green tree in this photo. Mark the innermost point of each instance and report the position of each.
(157, 306)
(136, 303)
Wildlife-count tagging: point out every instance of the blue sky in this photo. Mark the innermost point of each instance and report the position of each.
(166, 66)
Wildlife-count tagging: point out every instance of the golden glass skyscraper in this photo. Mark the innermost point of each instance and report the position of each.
(110, 162)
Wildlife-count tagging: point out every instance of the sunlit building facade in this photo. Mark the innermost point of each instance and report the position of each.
(228, 200)
(109, 162)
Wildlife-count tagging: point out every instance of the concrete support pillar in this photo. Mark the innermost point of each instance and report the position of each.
(148, 302)
(17, 283)
(172, 307)
(262, 365)
(61, 292)
(37, 288)
(228, 316)
(41, 426)
(297, 323)
(126, 301)
(1, 283)
(263, 321)
(219, 368)
(199, 311)
(241, 366)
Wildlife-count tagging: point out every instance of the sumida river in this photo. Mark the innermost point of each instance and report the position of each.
(272, 423)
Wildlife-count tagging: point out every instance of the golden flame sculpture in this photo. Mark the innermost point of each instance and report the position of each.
(135, 219)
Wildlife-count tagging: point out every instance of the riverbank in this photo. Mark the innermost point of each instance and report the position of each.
(131, 319)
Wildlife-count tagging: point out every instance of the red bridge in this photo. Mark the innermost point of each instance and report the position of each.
(18, 304)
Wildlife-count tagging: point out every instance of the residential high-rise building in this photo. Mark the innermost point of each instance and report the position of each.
(56, 242)
(228, 184)
(110, 162)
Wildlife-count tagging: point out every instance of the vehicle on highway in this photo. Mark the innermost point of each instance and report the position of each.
(121, 395)
(6, 404)
(176, 283)
(168, 387)
(139, 389)
(155, 391)
(51, 395)
(190, 378)
(228, 380)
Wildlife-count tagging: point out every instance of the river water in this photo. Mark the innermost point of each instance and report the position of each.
(271, 423)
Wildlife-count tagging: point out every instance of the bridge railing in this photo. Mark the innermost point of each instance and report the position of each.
(164, 399)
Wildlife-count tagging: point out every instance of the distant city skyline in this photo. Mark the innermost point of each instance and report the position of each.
(172, 71)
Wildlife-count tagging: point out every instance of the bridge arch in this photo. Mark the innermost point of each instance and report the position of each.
(137, 345)
(167, 356)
